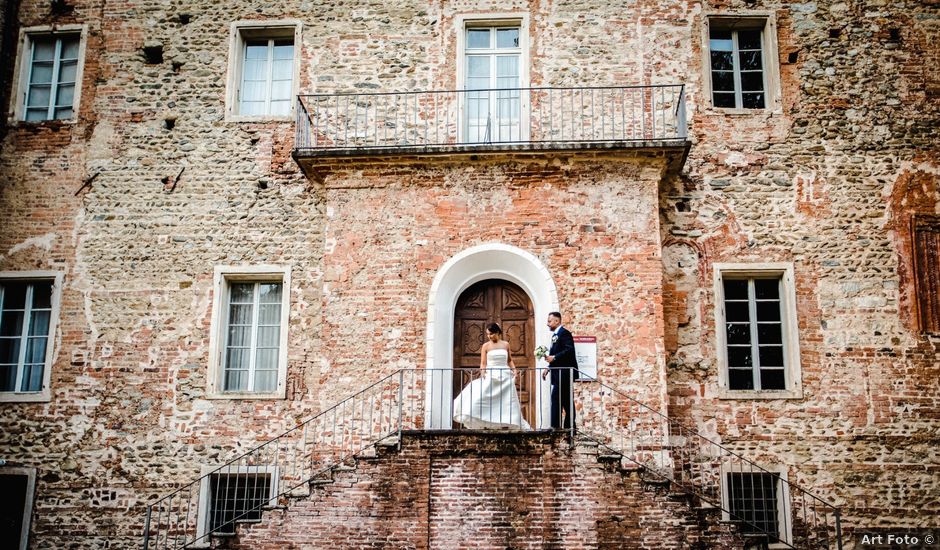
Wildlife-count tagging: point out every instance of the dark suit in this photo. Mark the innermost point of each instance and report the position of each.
(564, 369)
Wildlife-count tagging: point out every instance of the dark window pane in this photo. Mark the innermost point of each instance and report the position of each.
(750, 61)
(720, 41)
(736, 312)
(767, 289)
(768, 311)
(723, 100)
(32, 378)
(772, 379)
(739, 356)
(723, 81)
(749, 40)
(740, 379)
(11, 323)
(753, 501)
(7, 378)
(9, 350)
(752, 82)
(42, 294)
(753, 101)
(236, 497)
(769, 333)
(722, 61)
(739, 333)
(771, 356)
(735, 289)
(12, 506)
(14, 295)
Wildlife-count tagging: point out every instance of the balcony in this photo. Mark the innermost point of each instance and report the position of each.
(355, 129)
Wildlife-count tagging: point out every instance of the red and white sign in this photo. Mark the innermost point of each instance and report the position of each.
(585, 349)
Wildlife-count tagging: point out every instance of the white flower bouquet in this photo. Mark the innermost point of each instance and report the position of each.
(541, 352)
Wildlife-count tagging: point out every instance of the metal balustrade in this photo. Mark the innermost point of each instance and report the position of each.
(627, 430)
(442, 120)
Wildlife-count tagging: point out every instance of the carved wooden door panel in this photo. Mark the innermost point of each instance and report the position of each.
(502, 302)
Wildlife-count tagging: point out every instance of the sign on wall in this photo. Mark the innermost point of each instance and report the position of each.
(585, 349)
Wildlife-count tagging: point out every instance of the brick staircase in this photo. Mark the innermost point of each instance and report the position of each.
(474, 490)
(368, 472)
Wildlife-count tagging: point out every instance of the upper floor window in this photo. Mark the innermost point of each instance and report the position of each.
(926, 236)
(263, 70)
(742, 65)
(493, 74)
(756, 326)
(251, 335)
(28, 305)
(50, 68)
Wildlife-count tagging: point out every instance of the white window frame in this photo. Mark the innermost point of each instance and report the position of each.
(767, 22)
(784, 514)
(509, 19)
(216, 371)
(30, 474)
(202, 515)
(789, 326)
(252, 30)
(23, 65)
(45, 394)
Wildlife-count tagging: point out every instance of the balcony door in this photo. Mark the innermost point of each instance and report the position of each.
(492, 101)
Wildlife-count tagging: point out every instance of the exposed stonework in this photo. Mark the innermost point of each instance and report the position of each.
(827, 181)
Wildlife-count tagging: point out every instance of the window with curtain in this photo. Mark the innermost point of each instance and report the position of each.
(253, 334)
(51, 81)
(25, 315)
(266, 76)
(492, 102)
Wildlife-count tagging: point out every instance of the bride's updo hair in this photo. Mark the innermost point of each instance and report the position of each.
(493, 328)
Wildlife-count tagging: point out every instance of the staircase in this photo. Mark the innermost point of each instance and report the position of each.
(727, 493)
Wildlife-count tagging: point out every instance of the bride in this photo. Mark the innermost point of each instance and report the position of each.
(491, 401)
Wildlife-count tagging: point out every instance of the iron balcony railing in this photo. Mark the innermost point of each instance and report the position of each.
(764, 503)
(487, 117)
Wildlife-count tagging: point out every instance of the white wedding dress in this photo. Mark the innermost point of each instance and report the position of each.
(491, 401)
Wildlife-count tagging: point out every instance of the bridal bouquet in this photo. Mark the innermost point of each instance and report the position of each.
(541, 352)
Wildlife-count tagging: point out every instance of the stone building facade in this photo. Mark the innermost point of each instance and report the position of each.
(146, 204)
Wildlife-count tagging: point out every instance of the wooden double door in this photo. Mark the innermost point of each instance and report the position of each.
(504, 303)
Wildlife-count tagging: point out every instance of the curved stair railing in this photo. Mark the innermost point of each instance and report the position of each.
(769, 509)
(267, 475)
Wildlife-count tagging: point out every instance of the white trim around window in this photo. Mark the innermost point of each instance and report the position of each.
(240, 33)
(28, 38)
(211, 474)
(782, 493)
(766, 22)
(494, 21)
(28, 311)
(782, 271)
(256, 275)
(30, 475)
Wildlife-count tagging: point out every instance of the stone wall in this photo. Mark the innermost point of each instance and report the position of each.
(826, 181)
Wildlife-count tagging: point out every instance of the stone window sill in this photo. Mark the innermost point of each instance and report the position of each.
(724, 393)
(245, 396)
(25, 397)
(260, 118)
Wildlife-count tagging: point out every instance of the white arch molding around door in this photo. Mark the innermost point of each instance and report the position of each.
(486, 261)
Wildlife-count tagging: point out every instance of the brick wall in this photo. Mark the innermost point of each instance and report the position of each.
(827, 181)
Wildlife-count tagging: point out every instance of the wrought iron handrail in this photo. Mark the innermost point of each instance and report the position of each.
(422, 399)
(441, 119)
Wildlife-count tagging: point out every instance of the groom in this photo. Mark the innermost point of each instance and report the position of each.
(563, 365)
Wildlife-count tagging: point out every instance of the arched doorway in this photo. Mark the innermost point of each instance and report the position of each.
(505, 303)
